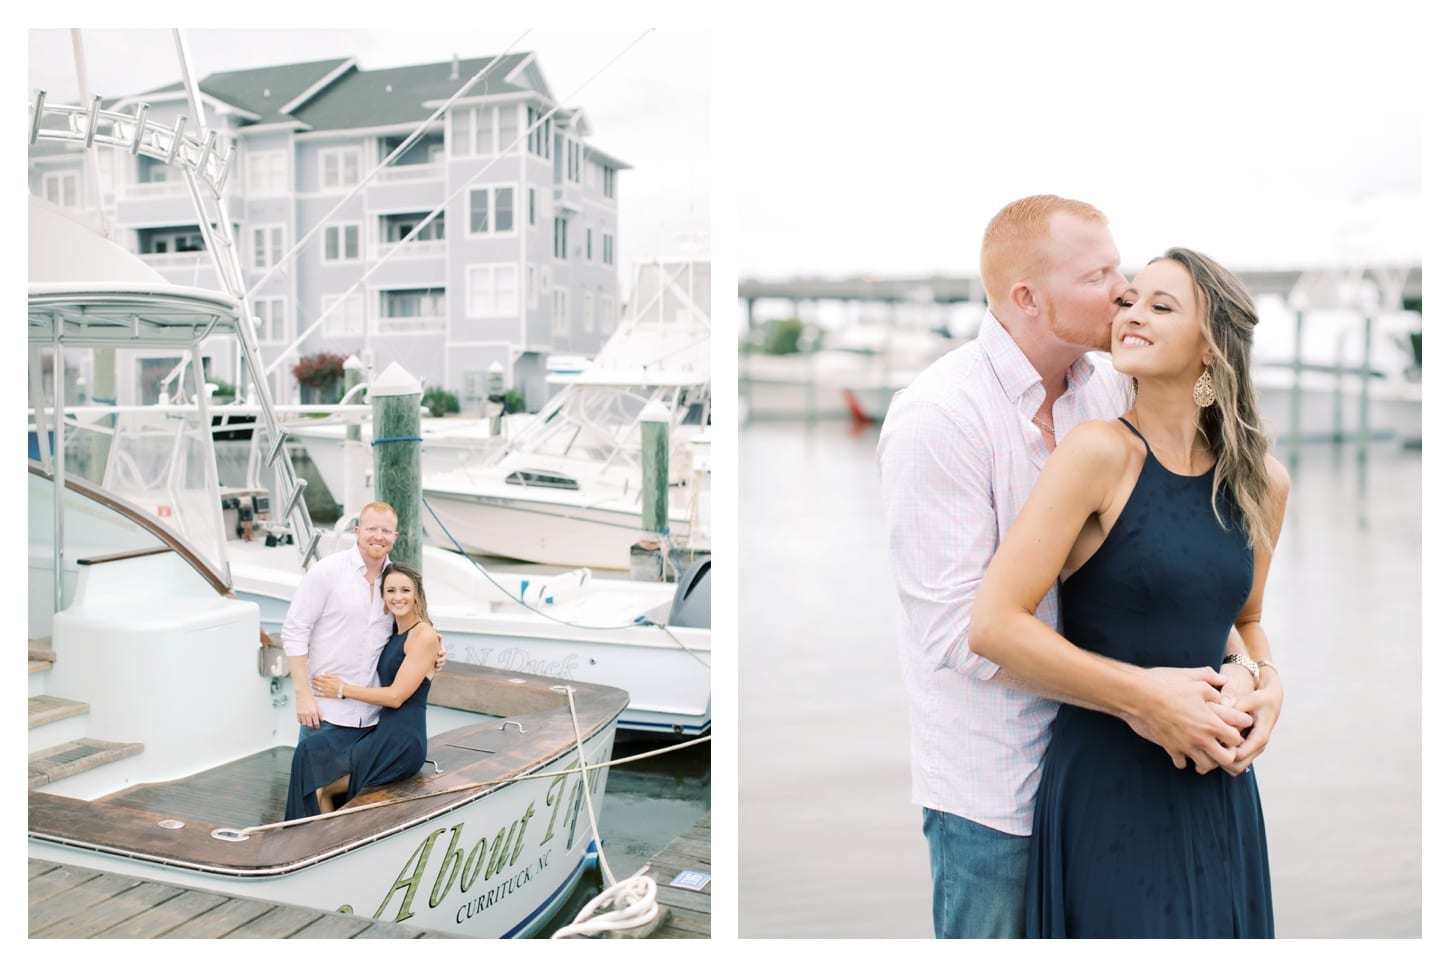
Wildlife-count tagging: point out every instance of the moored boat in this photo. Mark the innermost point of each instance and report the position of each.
(162, 726)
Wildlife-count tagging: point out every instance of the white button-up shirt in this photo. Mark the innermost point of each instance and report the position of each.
(337, 620)
(958, 455)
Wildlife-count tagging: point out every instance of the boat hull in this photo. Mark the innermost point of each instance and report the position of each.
(538, 529)
(500, 865)
(665, 671)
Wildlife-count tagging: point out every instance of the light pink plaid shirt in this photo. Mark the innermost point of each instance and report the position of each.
(958, 455)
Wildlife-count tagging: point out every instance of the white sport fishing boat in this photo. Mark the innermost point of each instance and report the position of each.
(649, 638)
(566, 489)
(161, 721)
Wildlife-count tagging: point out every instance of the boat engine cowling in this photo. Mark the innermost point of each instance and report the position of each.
(691, 607)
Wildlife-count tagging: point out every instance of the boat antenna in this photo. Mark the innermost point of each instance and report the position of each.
(94, 195)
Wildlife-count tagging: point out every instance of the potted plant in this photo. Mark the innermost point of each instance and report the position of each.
(320, 376)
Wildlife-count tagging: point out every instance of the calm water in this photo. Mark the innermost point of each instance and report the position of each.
(829, 843)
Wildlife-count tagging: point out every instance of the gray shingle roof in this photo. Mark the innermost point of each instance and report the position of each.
(397, 95)
(266, 90)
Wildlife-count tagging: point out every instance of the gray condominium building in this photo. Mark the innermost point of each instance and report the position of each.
(519, 263)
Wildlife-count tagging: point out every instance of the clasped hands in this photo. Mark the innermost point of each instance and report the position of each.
(1214, 719)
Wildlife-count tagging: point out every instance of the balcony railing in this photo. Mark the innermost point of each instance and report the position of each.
(396, 324)
(428, 172)
(428, 249)
(178, 260)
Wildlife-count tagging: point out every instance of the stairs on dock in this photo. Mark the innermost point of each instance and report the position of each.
(59, 747)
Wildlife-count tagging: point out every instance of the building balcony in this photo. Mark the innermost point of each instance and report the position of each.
(431, 249)
(394, 325)
(396, 173)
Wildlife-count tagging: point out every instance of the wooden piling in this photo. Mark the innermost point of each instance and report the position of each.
(398, 457)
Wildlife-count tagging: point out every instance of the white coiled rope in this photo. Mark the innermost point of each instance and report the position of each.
(629, 906)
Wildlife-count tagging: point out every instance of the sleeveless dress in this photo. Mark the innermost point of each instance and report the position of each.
(398, 746)
(322, 755)
(1123, 843)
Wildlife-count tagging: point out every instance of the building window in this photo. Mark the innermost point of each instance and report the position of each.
(606, 315)
(493, 291)
(412, 310)
(63, 188)
(270, 316)
(340, 167)
(531, 206)
(499, 198)
(340, 243)
(533, 288)
(608, 249)
(346, 319)
(541, 138)
(397, 227)
(267, 246)
(160, 241)
(561, 238)
(508, 126)
(483, 130)
(587, 323)
(588, 244)
(576, 158)
(267, 174)
(608, 181)
(561, 312)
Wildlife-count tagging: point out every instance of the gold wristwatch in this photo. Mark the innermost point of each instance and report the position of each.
(1247, 662)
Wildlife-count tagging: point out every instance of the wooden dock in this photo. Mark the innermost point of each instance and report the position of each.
(689, 910)
(72, 902)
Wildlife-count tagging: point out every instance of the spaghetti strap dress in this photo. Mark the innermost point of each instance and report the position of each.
(1124, 844)
(398, 746)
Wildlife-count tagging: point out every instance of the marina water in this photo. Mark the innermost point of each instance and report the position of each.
(829, 842)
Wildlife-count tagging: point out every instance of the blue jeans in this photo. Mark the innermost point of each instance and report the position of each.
(978, 878)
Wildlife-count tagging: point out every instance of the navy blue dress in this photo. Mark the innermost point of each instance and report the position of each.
(323, 755)
(1123, 843)
(398, 745)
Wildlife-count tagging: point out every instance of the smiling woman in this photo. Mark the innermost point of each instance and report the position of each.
(1160, 527)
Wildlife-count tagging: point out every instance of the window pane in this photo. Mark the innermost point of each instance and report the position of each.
(504, 210)
(478, 210)
(485, 130)
(351, 246)
(508, 125)
(506, 285)
(330, 252)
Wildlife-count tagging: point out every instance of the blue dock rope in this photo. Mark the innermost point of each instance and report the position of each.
(398, 439)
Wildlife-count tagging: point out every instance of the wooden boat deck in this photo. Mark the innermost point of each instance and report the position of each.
(252, 791)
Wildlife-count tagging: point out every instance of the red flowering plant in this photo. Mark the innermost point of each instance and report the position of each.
(319, 370)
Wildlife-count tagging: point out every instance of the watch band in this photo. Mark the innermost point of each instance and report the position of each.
(1247, 662)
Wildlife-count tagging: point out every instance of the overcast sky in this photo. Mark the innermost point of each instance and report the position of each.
(1267, 135)
(645, 91)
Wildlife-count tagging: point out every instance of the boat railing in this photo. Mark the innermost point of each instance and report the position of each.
(134, 133)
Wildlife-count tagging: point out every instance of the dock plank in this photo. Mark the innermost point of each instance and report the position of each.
(72, 902)
(115, 910)
(276, 922)
(186, 906)
(689, 917)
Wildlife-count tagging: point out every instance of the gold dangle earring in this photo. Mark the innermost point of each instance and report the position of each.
(1203, 391)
